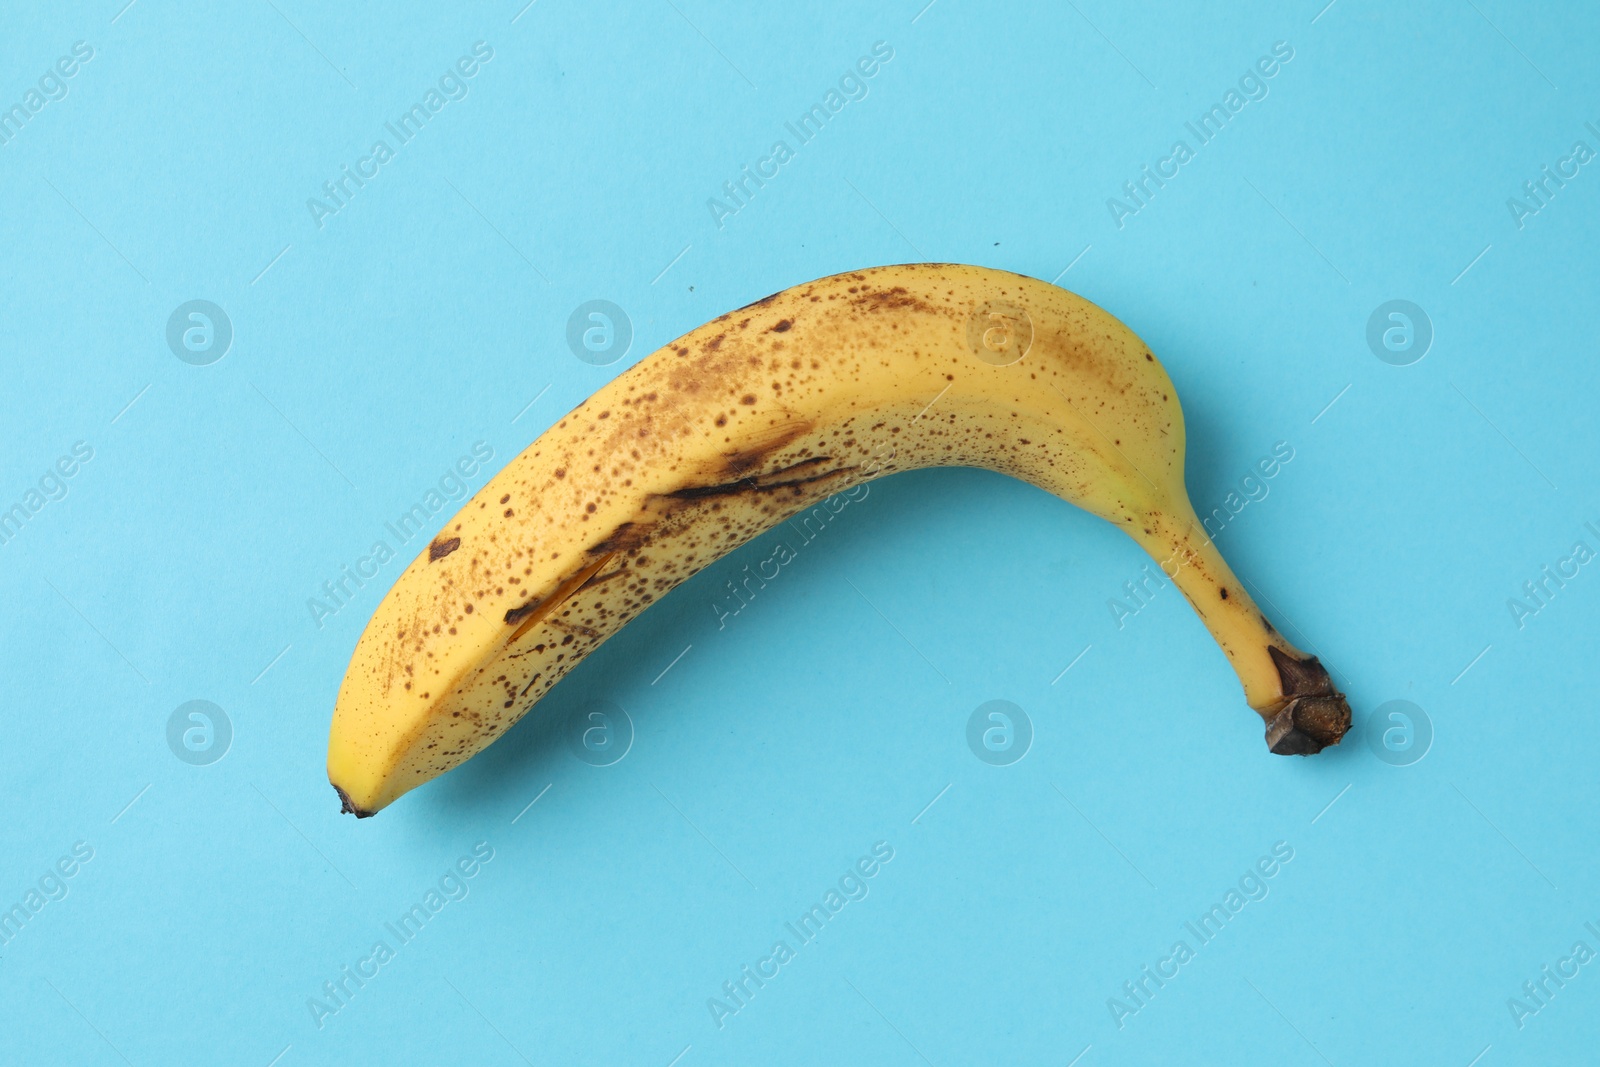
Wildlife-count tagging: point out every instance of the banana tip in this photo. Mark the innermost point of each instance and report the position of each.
(346, 805)
(1309, 724)
(1315, 716)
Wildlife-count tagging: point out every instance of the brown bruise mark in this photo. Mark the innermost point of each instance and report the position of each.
(516, 615)
(758, 447)
(440, 549)
(625, 538)
(762, 484)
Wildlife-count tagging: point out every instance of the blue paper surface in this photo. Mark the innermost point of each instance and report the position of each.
(240, 343)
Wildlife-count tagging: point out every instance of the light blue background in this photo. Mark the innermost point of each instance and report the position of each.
(371, 353)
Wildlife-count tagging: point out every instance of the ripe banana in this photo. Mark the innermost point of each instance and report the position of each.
(748, 420)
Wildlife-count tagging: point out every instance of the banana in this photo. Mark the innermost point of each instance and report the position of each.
(753, 418)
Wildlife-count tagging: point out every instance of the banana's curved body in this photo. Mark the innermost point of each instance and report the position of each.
(746, 421)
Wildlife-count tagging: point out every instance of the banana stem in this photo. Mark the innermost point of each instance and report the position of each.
(1289, 689)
